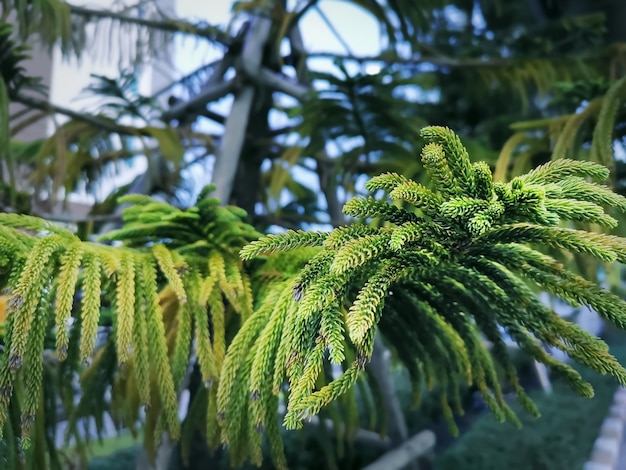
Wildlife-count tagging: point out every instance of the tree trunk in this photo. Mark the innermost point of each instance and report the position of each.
(247, 189)
(226, 165)
(237, 122)
(398, 431)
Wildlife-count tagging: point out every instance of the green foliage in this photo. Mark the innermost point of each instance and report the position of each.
(453, 264)
(594, 123)
(435, 48)
(448, 265)
(157, 300)
(12, 55)
(12, 80)
(50, 19)
(445, 265)
(178, 279)
(91, 149)
(561, 440)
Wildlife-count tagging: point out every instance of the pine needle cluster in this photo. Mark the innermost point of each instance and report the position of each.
(454, 264)
(167, 293)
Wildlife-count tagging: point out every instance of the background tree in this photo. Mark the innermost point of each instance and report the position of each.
(476, 67)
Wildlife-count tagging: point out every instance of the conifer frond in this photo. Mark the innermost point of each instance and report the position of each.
(436, 165)
(434, 280)
(556, 170)
(578, 241)
(456, 155)
(369, 207)
(385, 182)
(68, 276)
(581, 190)
(408, 233)
(62, 257)
(358, 252)
(289, 240)
(363, 312)
(90, 305)
(584, 211)
(175, 281)
(140, 351)
(602, 143)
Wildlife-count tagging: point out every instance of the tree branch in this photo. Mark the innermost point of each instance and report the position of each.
(95, 121)
(169, 25)
(211, 93)
(278, 82)
(262, 76)
(209, 68)
(213, 116)
(282, 130)
(406, 453)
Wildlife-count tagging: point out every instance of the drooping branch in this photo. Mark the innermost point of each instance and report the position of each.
(211, 33)
(447, 269)
(95, 121)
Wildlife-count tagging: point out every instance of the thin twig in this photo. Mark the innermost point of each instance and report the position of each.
(95, 121)
(333, 30)
(170, 25)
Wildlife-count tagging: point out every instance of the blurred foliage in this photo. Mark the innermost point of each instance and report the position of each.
(561, 440)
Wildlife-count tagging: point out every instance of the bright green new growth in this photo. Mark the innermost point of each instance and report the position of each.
(453, 265)
(177, 277)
